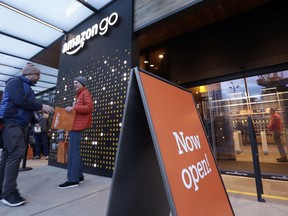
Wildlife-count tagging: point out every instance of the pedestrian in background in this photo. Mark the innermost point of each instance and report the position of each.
(275, 126)
(41, 135)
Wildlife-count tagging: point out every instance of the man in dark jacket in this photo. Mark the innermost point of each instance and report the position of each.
(16, 111)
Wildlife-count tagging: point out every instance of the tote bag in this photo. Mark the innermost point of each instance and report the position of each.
(63, 120)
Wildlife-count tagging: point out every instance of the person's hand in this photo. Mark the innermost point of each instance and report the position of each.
(69, 109)
(45, 115)
(48, 109)
(37, 125)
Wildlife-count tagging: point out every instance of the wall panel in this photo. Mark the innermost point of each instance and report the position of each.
(106, 62)
(150, 11)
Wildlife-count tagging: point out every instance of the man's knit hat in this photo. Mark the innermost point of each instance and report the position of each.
(82, 80)
(30, 68)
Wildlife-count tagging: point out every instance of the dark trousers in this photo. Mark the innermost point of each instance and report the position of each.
(278, 142)
(41, 143)
(14, 140)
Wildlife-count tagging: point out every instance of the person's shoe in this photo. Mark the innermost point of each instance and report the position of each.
(282, 159)
(47, 157)
(36, 157)
(13, 200)
(81, 180)
(68, 185)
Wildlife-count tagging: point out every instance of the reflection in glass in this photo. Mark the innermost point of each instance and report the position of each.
(225, 106)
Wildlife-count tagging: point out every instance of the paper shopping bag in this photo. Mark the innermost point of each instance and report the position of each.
(63, 120)
(29, 152)
(62, 154)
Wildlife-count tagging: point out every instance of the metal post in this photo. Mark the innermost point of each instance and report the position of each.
(256, 164)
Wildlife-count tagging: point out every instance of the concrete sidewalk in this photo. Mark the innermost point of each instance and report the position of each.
(39, 187)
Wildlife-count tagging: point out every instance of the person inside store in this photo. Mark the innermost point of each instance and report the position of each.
(83, 106)
(41, 129)
(275, 126)
(16, 113)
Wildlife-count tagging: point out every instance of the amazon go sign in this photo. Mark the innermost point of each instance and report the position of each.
(75, 44)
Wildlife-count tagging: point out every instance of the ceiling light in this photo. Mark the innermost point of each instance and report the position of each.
(161, 56)
(31, 17)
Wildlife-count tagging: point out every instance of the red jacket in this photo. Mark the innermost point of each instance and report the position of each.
(275, 122)
(83, 106)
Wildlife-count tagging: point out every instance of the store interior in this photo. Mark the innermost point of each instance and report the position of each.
(225, 107)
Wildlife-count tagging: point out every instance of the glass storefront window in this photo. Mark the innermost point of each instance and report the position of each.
(225, 106)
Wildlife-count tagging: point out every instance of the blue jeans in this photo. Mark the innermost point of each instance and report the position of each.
(15, 141)
(41, 142)
(74, 158)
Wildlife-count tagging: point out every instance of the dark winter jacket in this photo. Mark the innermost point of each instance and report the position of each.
(44, 121)
(18, 102)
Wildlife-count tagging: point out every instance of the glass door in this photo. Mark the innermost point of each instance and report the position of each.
(225, 106)
(268, 93)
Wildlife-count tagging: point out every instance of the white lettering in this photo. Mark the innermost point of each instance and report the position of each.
(101, 28)
(188, 143)
(94, 30)
(193, 174)
(74, 5)
(88, 34)
(78, 39)
(104, 28)
(114, 16)
(186, 173)
(57, 121)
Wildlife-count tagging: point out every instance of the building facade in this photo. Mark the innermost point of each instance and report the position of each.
(235, 66)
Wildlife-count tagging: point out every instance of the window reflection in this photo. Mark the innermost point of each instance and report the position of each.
(225, 106)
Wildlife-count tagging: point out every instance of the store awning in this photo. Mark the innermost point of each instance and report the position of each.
(29, 26)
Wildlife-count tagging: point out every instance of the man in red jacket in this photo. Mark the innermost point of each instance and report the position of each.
(83, 105)
(275, 126)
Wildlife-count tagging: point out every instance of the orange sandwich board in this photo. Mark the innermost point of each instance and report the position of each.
(164, 162)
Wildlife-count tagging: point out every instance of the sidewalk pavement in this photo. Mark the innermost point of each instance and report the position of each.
(39, 187)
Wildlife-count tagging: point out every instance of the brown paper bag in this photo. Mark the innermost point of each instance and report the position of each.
(62, 153)
(29, 152)
(63, 120)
